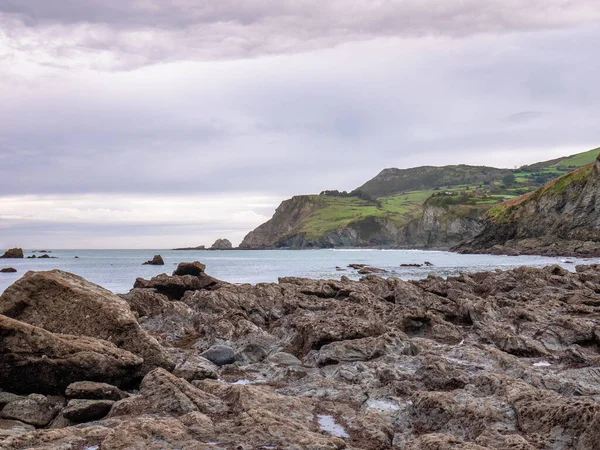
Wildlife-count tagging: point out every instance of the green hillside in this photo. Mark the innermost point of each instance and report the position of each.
(400, 194)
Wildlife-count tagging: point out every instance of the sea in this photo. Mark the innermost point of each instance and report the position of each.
(117, 270)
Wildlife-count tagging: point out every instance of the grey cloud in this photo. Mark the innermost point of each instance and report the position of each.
(117, 35)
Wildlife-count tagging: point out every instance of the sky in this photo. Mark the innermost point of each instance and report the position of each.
(153, 124)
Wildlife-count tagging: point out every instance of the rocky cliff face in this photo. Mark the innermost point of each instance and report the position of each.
(560, 218)
(438, 227)
(442, 227)
(284, 225)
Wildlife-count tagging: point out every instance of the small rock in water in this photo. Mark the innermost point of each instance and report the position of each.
(190, 268)
(156, 261)
(13, 253)
(8, 270)
(327, 423)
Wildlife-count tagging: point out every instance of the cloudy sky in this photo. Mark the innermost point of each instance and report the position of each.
(153, 124)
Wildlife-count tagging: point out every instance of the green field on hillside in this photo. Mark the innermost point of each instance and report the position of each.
(463, 190)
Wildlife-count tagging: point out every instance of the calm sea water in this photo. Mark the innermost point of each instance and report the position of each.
(117, 269)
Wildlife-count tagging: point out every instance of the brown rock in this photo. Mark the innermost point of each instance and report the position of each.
(36, 410)
(156, 261)
(92, 390)
(13, 253)
(190, 268)
(8, 270)
(65, 303)
(79, 410)
(36, 360)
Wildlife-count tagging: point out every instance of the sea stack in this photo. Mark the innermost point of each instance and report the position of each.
(13, 253)
(222, 244)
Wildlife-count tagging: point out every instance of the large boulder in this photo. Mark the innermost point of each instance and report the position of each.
(222, 244)
(65, 303)
(36, 360)
(13, 253)
(174, 287)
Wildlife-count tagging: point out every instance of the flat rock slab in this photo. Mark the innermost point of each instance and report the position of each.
(79, 410)
(91, 390)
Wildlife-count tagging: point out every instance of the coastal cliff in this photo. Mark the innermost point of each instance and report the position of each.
(560, 218)
(423, 207)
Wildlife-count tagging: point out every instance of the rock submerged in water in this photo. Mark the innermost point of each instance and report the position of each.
(13, 253)
(8, 270)
(222, 244)
(155, 261)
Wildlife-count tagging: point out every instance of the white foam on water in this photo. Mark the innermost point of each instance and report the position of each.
(243, 382)
(542, 364)
(91, 447)
(382, 405)
(328, 424)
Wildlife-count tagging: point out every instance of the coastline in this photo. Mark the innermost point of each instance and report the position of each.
(366, 364)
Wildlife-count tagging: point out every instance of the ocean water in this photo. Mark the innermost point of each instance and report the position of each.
(117, 269)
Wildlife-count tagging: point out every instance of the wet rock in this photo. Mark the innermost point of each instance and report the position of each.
(94, 391)
(190, 268)
(13, 253)
(155, 261)
(367, 270)
(43, 299)
(219, 355)
(36, 360)
(80, 410)
(8, 270)
(36, 410)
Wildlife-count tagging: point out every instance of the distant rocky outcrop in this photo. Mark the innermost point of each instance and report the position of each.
(222, 244)
(155, 261)
(560, 218)
(200, 247)
(13, 253)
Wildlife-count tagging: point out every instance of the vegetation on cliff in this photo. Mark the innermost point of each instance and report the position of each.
(397, 198)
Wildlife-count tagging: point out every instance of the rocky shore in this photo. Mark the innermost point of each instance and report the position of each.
(490, 360)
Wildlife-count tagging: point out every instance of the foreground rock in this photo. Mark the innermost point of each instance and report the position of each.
(13, 253)
(36, 360)
(64, 303)
(155, 261)
(491, 360)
